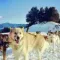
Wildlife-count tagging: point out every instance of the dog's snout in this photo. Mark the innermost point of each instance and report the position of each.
(17, 37)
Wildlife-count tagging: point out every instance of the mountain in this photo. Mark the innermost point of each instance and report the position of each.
(11, 25)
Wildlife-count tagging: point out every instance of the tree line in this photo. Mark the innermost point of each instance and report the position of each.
(42, 15)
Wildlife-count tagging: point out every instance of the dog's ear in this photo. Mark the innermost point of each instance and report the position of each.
(11, 30)
(11, 35)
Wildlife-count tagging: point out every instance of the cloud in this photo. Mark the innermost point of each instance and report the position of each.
(1, 17)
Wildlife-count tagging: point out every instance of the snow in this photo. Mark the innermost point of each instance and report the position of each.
(9, 54)
(5, 33)
(52, 53)
(43, 33)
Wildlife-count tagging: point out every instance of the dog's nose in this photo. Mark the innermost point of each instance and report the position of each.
(17, 37)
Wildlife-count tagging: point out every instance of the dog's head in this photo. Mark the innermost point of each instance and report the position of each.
(53, 37)
(16, 34)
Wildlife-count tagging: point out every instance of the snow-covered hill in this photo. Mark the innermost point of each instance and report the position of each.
(44, 27)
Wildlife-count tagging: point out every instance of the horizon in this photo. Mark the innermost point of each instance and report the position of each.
(12, 23)
(34, 24)
(14, 11)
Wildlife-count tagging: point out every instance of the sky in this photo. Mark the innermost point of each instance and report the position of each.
(14, 11)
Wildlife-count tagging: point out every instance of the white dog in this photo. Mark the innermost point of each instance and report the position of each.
(53, 37)
(23, 42)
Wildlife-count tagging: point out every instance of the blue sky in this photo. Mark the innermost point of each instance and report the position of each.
(14, 11)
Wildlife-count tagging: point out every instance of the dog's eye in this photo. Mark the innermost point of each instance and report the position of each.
(15, 33)
(20, 32)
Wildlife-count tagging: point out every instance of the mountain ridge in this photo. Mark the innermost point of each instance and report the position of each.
(11, 25)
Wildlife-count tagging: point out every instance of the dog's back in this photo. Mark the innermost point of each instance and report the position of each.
(34, 41)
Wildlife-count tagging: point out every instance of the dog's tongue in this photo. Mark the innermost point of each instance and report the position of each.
(17, 41)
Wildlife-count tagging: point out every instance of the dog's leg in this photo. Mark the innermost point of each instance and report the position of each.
(27, 56)
(45, 46)
(39, 55)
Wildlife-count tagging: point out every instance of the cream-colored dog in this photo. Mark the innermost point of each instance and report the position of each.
(53, 37)
(25, 42)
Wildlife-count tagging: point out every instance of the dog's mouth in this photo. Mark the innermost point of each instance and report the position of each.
(17, 39)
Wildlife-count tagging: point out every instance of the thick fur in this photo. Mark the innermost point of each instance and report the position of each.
(27, 43)
(53, 37)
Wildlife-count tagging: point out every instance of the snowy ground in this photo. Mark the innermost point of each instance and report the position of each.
(52, 53)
